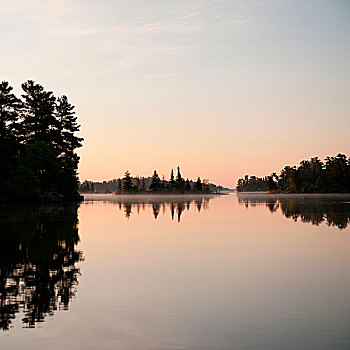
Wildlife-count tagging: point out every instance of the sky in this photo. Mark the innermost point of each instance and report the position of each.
(221, 88)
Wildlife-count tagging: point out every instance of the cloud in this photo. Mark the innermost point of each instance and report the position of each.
(160, 75)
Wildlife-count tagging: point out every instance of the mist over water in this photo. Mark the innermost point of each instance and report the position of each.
(240, 271)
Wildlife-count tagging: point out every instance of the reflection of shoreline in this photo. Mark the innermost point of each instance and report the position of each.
(175, 204)
(334, 210)
(294, 195)
(38, 257)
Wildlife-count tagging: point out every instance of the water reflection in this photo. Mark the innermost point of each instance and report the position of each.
(175, 205)
(334, 210)
(38, 257)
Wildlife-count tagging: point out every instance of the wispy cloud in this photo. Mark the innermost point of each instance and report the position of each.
(160, 75)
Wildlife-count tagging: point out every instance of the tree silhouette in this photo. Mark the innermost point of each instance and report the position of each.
(37, 144)
(180, 182)
(156, 184)
(198, 187)
(127, 183)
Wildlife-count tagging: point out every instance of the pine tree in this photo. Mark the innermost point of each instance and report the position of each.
(10, 107)
(119, 186)
(67, 126)
(127, 184)
(9, 135)
(188, 186)
(137, 186)
(39, 119)
(143, 185)
(172, 181)
(180, 182)
(198, 185)
(155, 182)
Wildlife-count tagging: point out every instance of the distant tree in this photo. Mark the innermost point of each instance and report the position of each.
(337, 172)
(164, 185)
(271, 185)
(127, 183)
(143, 185)
(180, 182)
(251, 183)
(188, 186)
(206, 187)
(119, 186)
(137, 185)
(172, 181)
(155, 182)
(198, 187)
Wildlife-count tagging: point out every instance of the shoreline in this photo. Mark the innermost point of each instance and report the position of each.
(294, 194)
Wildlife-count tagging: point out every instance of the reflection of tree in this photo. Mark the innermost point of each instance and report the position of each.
(127, 210)
(37, 262)
(334, 211)
(198, 202)
(156, 208)
(180, 209)
(162, 204)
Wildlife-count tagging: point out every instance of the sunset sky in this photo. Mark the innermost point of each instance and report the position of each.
(222, 88)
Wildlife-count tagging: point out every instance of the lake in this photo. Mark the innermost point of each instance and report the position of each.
(239, 271)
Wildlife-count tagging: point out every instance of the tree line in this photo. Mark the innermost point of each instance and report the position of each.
(130, 185)
(37, 144)
(251, 184)
(311, 176)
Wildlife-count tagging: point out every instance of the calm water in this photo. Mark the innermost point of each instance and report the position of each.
(231, 272)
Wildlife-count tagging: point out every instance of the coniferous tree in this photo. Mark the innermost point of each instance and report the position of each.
(143, 185)
(39, 107)
(188, 186)
(155, 182)
(127, 183)
(198, 187)
(119, 186)
(172, 181)
(9, 137)
(10, 107)
(37, 143)
(67, 126)
(138, 182)
(180, 182)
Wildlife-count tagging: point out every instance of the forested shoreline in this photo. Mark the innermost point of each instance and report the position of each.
(155, 184)
(37, 145)
(312, 176)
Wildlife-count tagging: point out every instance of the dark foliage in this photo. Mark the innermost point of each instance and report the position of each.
(153, 184)
(251, 184)
(311, 176)
(156, 184)
(127, 186)
(37, 144)
(314, 176)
